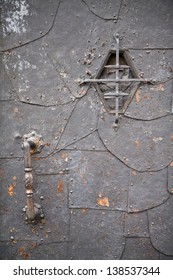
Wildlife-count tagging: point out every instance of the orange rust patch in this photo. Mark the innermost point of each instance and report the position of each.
(10, 189)
(36, 158)
(134, 173)
(138, 144)
(171, 137)
(14, 178)
(161, 87)
(22, 253)
(103, 201)
(84, 210)
(59, 188)
(64, 155)
(138, 96)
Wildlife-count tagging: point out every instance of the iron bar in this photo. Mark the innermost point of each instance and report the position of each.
(113, 80)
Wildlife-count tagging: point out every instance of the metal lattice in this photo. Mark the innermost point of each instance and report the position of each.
(116, 93)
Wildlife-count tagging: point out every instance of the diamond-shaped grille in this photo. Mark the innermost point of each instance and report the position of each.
(116, 81)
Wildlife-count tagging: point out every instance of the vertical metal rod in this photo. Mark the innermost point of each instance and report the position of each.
(117, 78)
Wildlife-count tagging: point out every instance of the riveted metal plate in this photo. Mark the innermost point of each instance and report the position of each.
(139, 249)
(86, 40)
(22, 118)
(91, 142)
(137, 29)
(142, 145)
(28, 250)
(25, 21)
(34, 76)
(93, 233)
(147, 190)
(161, 220)
(82, 122)
(98, 181)
(136, 225)
(152, 101)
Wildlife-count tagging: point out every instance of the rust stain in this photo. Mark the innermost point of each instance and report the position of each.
(161, 87)
(134, 173)
(171, 137)
(14, 178)
(47, 144)
(60, 185)
(10, 189)
(138, 144)
(24, 254)
(84, 210)
(36, 158)
(103, 201)
(64, 155)
(138, 96)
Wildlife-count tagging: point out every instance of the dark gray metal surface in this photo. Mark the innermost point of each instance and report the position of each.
(147, 190)
(161, 227)
(22, 118)
(147, 146)
(25, 21)
(105, 192)
(146, 25)
(139, 249)
(98, 182)
(136, 225)
(93, 234)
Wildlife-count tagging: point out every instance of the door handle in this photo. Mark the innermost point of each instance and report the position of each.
(32, 144)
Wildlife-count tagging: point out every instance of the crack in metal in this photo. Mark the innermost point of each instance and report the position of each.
(103, 18)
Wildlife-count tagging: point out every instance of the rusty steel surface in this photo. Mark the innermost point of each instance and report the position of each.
(106, 192)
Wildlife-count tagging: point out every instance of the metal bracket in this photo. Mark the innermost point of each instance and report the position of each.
(32, 144)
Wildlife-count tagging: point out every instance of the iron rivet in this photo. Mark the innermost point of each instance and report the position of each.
(41, 197)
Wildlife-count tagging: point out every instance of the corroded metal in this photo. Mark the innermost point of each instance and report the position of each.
(116, 81)
(32, 143)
